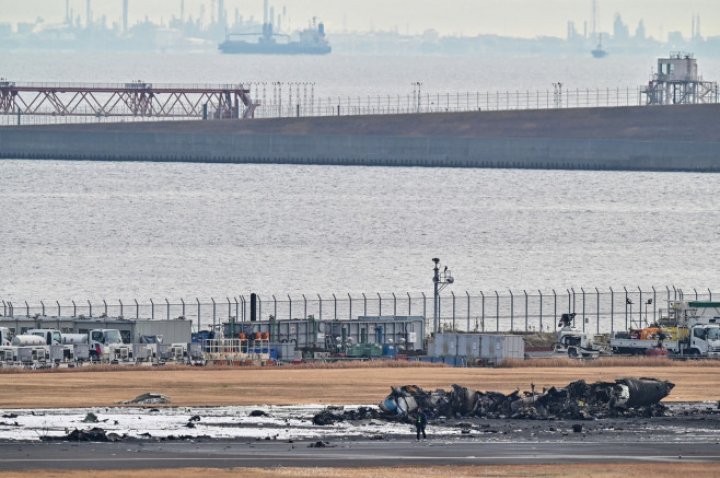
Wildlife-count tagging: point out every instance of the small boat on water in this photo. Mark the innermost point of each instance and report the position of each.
(599, 52)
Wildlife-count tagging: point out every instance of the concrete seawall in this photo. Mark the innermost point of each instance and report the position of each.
(642, 138)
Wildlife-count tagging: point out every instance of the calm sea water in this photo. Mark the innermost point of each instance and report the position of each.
(77, 230)
(91, 230)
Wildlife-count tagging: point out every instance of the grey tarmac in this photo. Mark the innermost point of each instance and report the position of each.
(223, 454)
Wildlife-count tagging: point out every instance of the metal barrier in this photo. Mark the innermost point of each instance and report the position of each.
(598, 310)
(300, 99)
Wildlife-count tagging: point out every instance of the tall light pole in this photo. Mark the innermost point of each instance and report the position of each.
(417, 86)
(440, 281)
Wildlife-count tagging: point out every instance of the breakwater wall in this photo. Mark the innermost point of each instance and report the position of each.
(676, 138)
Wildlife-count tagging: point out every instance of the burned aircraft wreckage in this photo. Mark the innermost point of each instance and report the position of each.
(625, 397)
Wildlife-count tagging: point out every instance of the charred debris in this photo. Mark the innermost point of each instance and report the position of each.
(625, 397)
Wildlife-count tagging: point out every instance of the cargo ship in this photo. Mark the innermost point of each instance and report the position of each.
(312, 41)
(599, 52)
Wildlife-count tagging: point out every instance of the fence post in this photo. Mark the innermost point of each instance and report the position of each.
(555, 308)
(597, 311)
(612, 311)
(137, 310)
(214, 316)
(305, 315)
(512, 311)
(655, 305)
(379, 304)
(289, 307)
(696, 294)
(319, 307)
(90, 308)
(74, 309)
(335, 302)
(350, 307)
(364, 304)
(569, 302)
(453, 310)
(497, 311)
(27, 309)
(152, 310)
(409, 304)
(42, 304)
(482, 316)
(60, 313)
(237, 311)
(198, 313)
(709, 294)
(582, 289)
(122, 309)
(394, 305)
(541, 310)
(526, 310)
(640, 308)
(627, 302)
(468, 311)
(182, 301)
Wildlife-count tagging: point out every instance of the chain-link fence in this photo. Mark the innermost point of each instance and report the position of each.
(302, 105)
(281, 100)
(597, 310)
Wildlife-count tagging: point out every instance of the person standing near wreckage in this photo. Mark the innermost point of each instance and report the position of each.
(420, 423)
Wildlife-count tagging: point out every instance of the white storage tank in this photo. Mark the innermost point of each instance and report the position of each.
(27, 340)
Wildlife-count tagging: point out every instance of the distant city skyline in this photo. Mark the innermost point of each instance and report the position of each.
(521, 18)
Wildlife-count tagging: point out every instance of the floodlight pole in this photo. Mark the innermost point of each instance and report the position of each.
(439, 283)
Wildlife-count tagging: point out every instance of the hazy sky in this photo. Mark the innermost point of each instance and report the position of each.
(527, 18)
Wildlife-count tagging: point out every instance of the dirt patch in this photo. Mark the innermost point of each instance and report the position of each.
(279, 386)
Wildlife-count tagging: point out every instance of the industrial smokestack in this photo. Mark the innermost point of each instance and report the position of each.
(125, 16)
(88, 14)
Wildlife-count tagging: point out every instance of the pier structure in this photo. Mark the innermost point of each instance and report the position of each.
(136, 99)
(677, 82)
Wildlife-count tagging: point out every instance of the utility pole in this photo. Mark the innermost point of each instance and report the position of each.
(440, 281)
(417, 86)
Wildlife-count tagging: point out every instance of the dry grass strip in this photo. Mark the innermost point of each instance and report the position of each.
(287, 386)
(696, 470)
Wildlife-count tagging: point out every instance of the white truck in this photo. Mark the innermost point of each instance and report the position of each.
(59, 352)
(690, 329)
(573, 342)
(106, 345)
(80, 344)
(28, 349)
(6, 352)
(701, 341)
(4, 337)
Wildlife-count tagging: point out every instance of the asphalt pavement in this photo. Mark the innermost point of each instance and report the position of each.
(220, 454)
